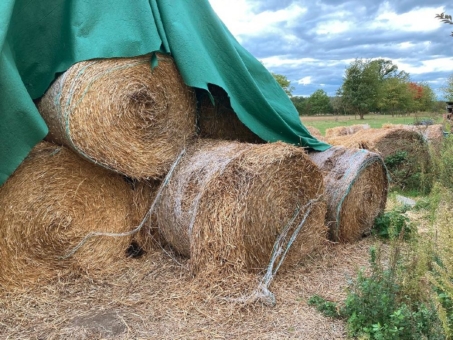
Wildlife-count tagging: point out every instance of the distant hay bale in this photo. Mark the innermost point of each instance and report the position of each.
(51, 202)
(396, 126)
(433, 134)
(356, 190)
(121, 114)
(315, 133)
(219, 121)
(227, 202)
(405, 152)
(345, 130)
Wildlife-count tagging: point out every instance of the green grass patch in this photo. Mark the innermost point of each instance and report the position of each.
(375, 121)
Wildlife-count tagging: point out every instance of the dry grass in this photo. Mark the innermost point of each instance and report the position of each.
(227, 202)
(155, 298)
(51, 202)
(356, 189)
(121, 114)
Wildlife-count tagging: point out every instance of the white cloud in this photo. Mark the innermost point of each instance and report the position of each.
(305, 80)
(417, 20)
(238, 16)
(426, 66)
(333, 27)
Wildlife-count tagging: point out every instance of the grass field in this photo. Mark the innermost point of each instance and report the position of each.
(375, 121)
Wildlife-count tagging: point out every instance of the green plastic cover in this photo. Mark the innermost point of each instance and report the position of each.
(41, 39)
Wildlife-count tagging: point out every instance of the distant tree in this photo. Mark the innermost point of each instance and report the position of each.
(284, 83)
(447, 90)
(395, 95)
(319, 102)
(426, 98)
(300, 103)
(337, 104)
(445, 18)
(360, 87)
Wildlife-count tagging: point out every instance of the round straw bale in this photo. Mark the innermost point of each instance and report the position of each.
(227, 202)
(433, 134)
(405, 152)
(217, 119)
(121, 114)
(51, 202)
(345, 130)
(356, 190)
(315, 133)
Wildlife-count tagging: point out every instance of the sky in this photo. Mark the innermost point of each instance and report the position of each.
(312, 42)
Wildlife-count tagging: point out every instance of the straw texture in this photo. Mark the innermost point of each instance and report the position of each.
(51, 202)
(121, 114)
(356, 190)
(405, 152)
(228, 201)
(345, 130)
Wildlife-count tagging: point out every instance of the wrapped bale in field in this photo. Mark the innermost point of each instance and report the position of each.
(217, 119)
(356, 190)
(345, 130)
(122, 115)
(433, 134)
(227, 203)
(405, 152)
(51, 202)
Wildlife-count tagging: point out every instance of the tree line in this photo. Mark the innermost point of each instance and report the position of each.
(368, 86)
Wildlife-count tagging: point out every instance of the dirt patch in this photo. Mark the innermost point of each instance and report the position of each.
(103, 324)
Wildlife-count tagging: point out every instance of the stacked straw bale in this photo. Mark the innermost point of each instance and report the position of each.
(356, 190)
(227, 202)
(51, 202)
(345, 130)
(405, 152)
(315, 133)
(121, 114)
(217, 119)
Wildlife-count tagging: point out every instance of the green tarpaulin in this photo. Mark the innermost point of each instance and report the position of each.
(40, 39)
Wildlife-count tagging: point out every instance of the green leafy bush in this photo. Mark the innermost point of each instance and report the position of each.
(377, 306)
(391, 224)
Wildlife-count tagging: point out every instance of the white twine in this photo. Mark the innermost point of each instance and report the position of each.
(280, 250)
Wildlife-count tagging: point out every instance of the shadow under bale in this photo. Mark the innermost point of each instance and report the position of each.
(217, 119)
(51, 202)
(228, 202)
(356, 190)
(122, 115)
